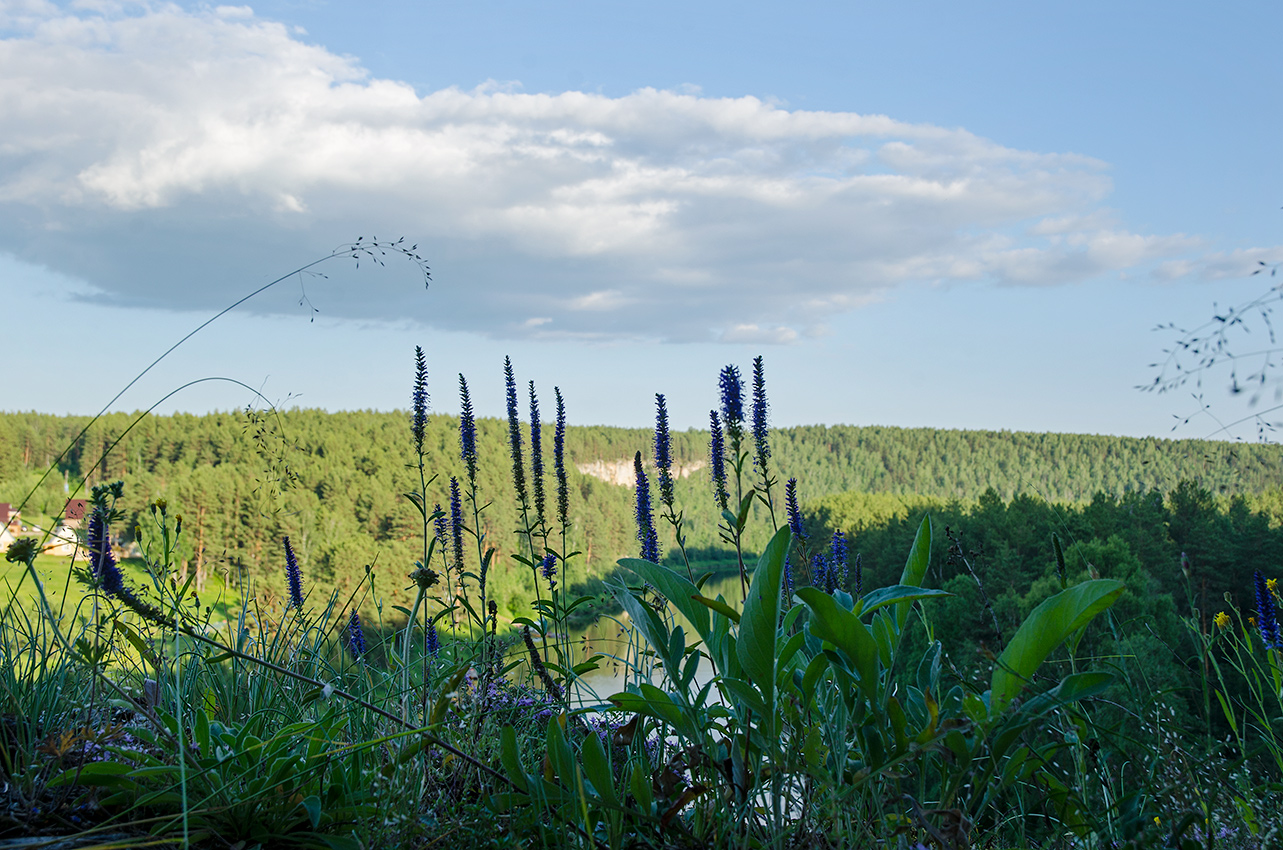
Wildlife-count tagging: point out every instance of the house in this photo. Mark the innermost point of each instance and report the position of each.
(10, 518)
(64, 542)
(75, 512)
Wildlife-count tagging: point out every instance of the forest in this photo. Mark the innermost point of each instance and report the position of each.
(335, 483)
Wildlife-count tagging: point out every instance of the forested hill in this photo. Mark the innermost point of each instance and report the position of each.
(334, 481)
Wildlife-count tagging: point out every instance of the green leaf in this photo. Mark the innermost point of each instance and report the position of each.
(884, 596)
(833, 623)
(1042, 631)
(742, 519)
(417, 501)
(915, 569)
(720, 607)
(597, 769)
(759, 624)
(650, 701)
(677, 590)
(108, 774)
(510, 759)
(744, 695)
(313, 806)
(652, 628)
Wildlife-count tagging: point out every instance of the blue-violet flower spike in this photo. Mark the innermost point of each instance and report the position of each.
(819, 574)
(456, 526)
(645, 521)
(837, 561)
(514, 433)
(536, 456)
(794, 512)
(762, 449)
(559, 461)
(356, 636)
(433, 641)
(467, 432)
(732, 390)
(663, 451)
(548, 568)
(293, 575)
(1266, 619)
(419, 400)
(717, 460)
(103, 562)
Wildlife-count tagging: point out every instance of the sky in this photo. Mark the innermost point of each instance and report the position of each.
(919, 214)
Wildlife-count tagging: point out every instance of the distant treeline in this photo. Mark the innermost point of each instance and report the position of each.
(335, 483)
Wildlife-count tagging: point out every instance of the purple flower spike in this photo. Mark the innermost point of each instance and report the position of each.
(467, 432)
(514, 432)
(102, 562)
(645, 521)
(548, 568)
(536, 456)
(419, 399)
(293, 575)
(717, 460)
(663, 451)
(837, 564)
(762, 449)
(732, 390)
(456, 526)
(433, 641)
(1266, 619)
(559, 461)
(794, 512)
(356, 636)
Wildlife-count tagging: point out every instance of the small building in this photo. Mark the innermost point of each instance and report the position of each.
(64, 542)
(10, 518)
(75, 512)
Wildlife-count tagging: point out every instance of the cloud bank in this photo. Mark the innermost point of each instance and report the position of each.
(176, 159)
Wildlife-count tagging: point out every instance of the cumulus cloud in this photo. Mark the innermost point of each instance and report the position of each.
(171, 158)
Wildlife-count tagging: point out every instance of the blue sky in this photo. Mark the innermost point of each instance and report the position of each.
(919, 213)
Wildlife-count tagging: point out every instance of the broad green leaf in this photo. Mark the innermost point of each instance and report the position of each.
(840, 627)
(103, 773)
(744, 695)
(597, 769)
(1042, 631)
(759, 624)
(510, 759)
(897, 593)
(651, 702)
(915, 569)
(313, 806)
(676, 589)
(652, 628)
(720, 607)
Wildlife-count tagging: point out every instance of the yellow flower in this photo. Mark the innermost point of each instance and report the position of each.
(1222, 620)
(1157, 820)
(1272, 584)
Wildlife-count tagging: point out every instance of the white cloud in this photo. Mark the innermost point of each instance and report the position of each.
(173, 158)
(1221, 265)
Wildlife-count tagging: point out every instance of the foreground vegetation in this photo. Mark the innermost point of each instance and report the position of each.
(842, 704)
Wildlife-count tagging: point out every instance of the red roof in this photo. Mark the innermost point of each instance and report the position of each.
(76, 509)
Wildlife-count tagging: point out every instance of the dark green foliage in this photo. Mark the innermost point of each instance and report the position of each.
(333, 484)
